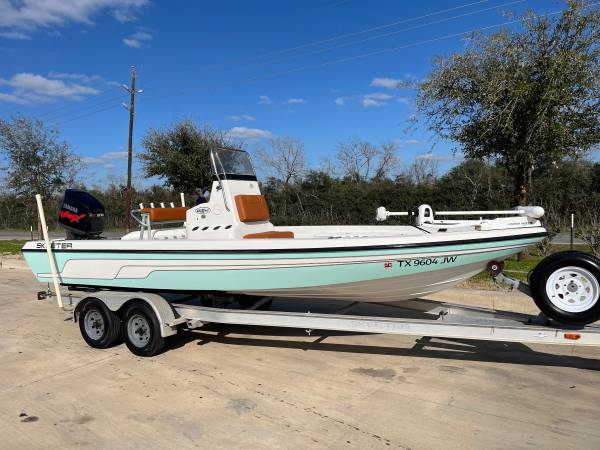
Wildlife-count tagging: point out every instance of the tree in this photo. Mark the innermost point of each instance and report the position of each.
(359, 159)
(180, 155)
(596, 178)
(388, 161)
(525, 98)
(285, 159)
(38, 162)
(423, 171)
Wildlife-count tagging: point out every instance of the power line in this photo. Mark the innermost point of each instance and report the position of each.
(360, 56)
(88, 114)
(335, 38)
(288, 50)
(378, 36)
(341, 60)
(83, 108)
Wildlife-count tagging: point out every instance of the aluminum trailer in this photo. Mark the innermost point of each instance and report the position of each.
(145, 320)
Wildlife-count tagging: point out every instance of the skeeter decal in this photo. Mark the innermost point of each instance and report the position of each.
(55, 245)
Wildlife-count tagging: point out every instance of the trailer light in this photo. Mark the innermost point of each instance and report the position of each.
(572, 336)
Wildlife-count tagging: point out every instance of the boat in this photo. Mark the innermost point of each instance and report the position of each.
(227, 244)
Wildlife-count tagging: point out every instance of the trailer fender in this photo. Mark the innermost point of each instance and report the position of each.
(115, 301)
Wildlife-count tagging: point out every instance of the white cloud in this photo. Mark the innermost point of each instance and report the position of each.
(237, 118)
(388, 83)
(11, 98)
(105, 159)
(139, 39)
(375, 99)
(91, 160)
(115, 155)
(29, 88)
(404, 101)
(17, 35)
(340, 101)
(20, 19)
(250, 133)
(295, 101)
(411, 141)
(430, 156)
(81, 77)
(264, 100)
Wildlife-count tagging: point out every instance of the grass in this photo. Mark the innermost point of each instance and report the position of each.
(11, 247)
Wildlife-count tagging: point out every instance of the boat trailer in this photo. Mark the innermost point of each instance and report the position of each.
(144, 320)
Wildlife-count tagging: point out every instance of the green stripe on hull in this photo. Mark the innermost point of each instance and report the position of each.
(38, 261)
(274, 278)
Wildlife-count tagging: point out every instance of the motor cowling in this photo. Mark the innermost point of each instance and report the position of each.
(81, 215)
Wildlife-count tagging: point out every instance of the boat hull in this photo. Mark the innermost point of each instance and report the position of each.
(379, 274)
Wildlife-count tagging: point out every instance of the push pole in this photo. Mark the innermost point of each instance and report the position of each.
(38, 199)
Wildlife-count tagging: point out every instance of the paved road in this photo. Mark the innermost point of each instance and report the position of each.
(247, 387)
(561, 238)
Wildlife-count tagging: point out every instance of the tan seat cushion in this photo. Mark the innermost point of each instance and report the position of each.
(271, 235)
(166, 214)
(252, 208)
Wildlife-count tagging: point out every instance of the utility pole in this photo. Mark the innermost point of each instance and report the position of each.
(131, 108)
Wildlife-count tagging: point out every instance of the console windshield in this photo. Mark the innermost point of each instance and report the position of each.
(233, 163)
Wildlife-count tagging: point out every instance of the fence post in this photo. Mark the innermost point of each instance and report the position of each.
(572, 228)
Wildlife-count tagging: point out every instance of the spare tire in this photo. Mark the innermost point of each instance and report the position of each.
(566, 287)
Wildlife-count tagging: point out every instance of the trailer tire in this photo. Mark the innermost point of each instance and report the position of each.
(566, 287)
(141, 330)
(99, 326)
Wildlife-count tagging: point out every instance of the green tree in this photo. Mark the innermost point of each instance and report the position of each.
(180, 154)
(526, 98)
(38, 161)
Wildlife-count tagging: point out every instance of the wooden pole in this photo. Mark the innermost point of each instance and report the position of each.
(38, 199)
(130, 150)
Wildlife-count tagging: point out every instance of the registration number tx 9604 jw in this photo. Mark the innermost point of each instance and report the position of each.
(427, 261)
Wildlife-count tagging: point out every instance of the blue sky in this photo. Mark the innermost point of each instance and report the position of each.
(318, 70)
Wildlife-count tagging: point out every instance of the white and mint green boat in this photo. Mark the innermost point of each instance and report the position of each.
(228, 245)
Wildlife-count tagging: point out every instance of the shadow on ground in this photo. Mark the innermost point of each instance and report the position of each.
(425, 347)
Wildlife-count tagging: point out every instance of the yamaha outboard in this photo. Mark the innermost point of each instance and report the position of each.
(81, 215)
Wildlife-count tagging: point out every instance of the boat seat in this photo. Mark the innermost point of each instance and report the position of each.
(252, 208)
(166, 214)
(271, 235)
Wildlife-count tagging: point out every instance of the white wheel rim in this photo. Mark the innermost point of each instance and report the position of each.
(94, 324)
(138, 330)
(573, 289)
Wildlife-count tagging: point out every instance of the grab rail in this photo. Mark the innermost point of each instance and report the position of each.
(533, 212)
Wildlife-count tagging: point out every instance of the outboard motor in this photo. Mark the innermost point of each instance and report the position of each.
(81, 215)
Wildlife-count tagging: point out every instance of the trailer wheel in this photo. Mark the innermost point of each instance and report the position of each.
(100, 327)
(566, 287)
(141, 330)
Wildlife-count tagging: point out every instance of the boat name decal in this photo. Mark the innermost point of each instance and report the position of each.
(203, 210)
(427, 261)
(55, 245)
(63, 214)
